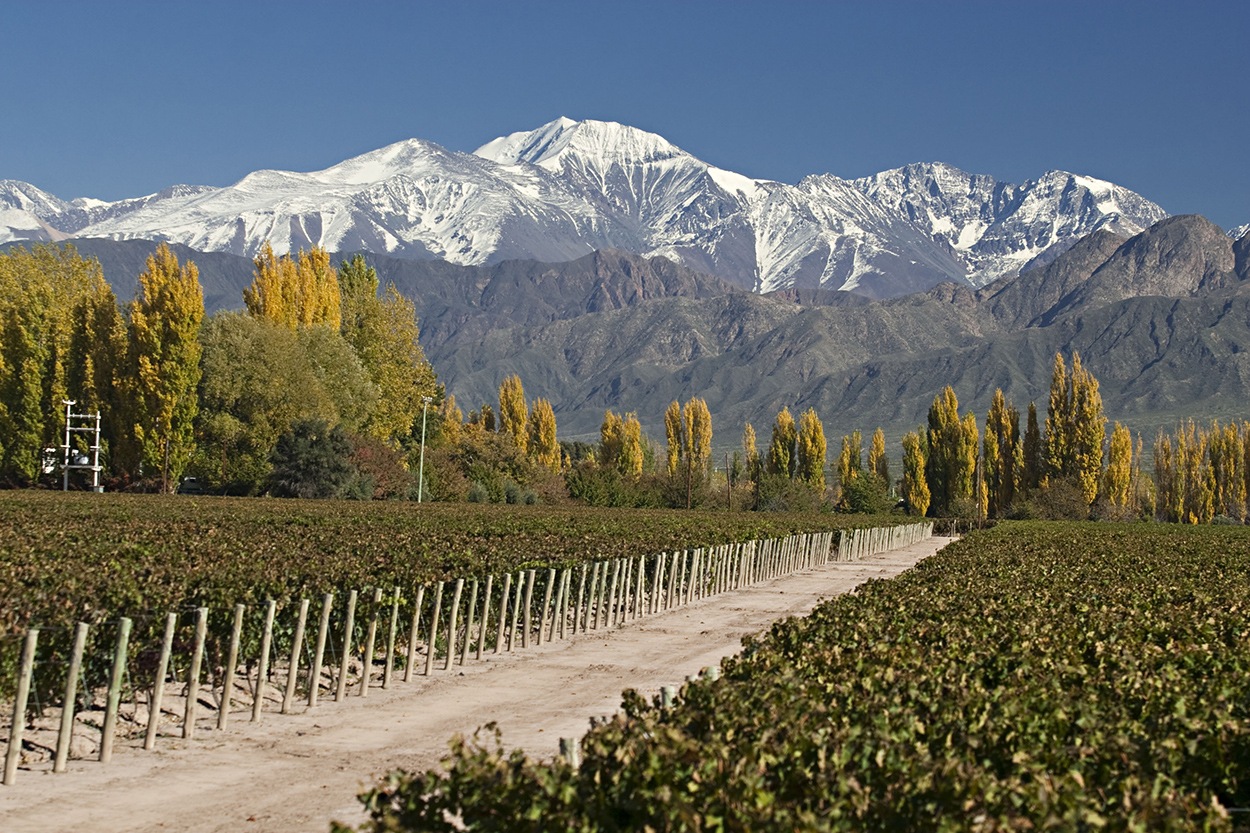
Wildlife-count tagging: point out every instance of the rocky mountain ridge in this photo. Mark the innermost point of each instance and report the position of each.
(1161, 317)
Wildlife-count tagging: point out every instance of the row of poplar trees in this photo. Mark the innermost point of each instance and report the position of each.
(179, 391)
(949, 469)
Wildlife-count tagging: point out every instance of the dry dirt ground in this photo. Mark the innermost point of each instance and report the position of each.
(298, 772)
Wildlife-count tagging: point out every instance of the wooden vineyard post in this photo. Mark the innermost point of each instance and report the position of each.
(115, 690)
(657, 581)
(672, 582)
(297, 644)
(232, 664)
(503, 612)
(529, 603)
(414, 632)
(542, 614)
(366, 659)
(391, 633)
(590, 601)
(193, 674)
(71, 693)
(566, 588)
(571, 751)
(481, 631)
(516, 608)
(158, 687)
(668, 694)
(319, 654)
(640, 587)
(262, 665)
(581, 597)
(610, 606)
(433, 631)
(349, 624)
(451, 625)
(468, 623)
(14, 753)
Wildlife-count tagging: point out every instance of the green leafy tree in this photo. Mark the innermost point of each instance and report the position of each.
(312, 460)
(258, 379)
(386, 337)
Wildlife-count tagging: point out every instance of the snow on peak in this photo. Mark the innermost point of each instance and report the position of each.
(606, 141)
(1240, 232)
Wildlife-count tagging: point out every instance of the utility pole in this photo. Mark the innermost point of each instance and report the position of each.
(425, 405)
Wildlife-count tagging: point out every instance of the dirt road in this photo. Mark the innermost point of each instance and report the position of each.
(297, 772)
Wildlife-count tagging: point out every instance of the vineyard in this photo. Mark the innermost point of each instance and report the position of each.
(123, 607)
(75, 557)
(1057, 676)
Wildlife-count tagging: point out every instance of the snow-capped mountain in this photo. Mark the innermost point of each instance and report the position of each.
(1240, 231)
(571, 187)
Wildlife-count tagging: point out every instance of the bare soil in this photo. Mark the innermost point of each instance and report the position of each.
(298, 772)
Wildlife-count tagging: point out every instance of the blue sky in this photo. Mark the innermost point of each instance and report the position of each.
(113, 100)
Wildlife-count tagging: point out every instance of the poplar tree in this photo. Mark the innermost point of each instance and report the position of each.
(781, 445)
(513, 413)
(1075, 427)
(164, 363)
(620, 443)
(1032, 464)
(611, 439)
(543, 445)
(42, 292)
(952, 453)
(629, 463)
(295, 292)
(698, 443)
(850, 458)
(1118, 478)
(386, 337)
(1058, 457)
(1001, 453)
(915, 487)
(750, 451)
(1168, 498)
(812, 451)
(1224, 448)
(878, 462)
(673, 432)
(451, 420)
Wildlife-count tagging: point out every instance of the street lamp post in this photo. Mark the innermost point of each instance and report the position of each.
(425, 404)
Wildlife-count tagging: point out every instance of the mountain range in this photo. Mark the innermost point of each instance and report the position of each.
(1161, 317)
(610, 269)
(570, 188)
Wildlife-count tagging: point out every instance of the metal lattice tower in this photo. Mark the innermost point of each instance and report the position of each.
(81, 424)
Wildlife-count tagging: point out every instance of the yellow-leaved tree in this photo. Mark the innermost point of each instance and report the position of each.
(812, 451)
(164, 365)
(543, 445)
(295, 292)
(915, 487)
(513, 412)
